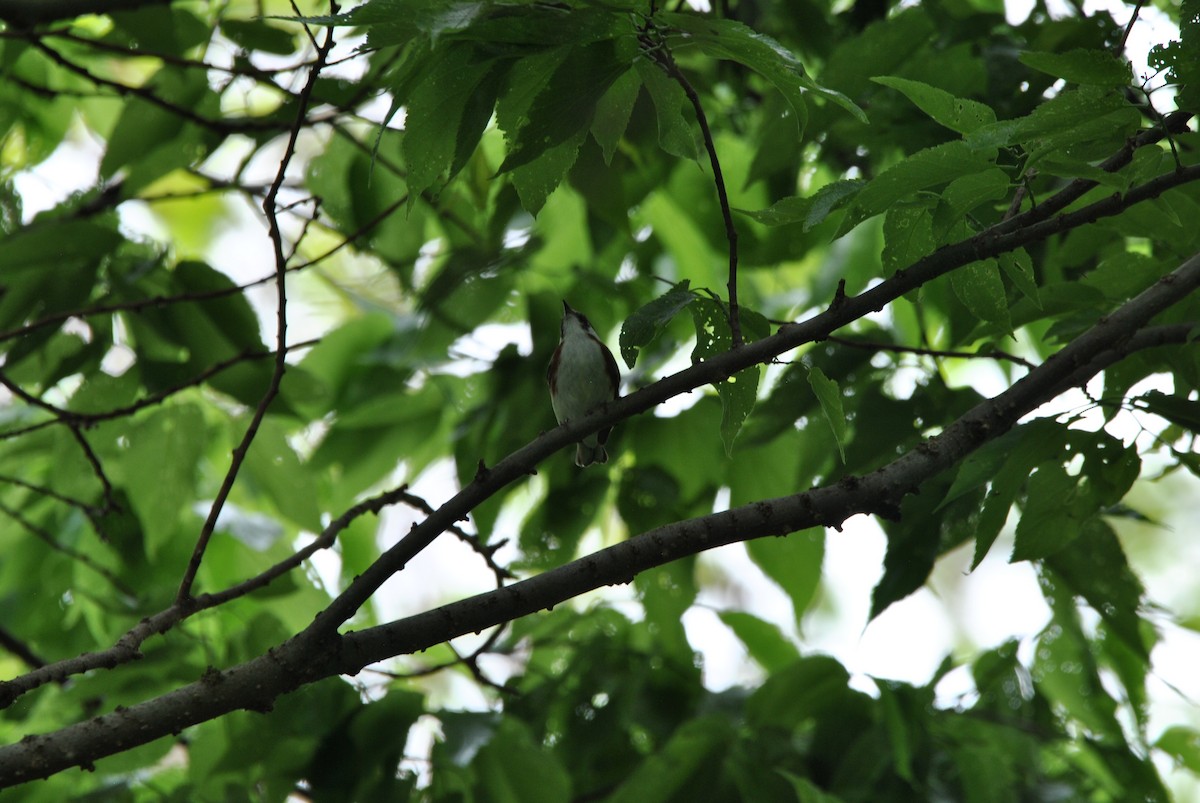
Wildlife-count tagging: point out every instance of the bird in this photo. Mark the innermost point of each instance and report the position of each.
(582, 376)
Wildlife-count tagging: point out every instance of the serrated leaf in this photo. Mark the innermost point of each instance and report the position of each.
(159, 469)
(980, 289)
(644, 325)
(831, 197)
(783, 212)
(957, 114)
(732, 40)
(451, 98)
(613, 111)
(907, 236)
(1018, 267)
(1095, 567)
(830, 397)
(713, 336)
(145, 129)
(1053, 516)
(1062, 113)
(1181, 411)
(811, 210)
(671, 109)
(567, 103)
(535, 180)
(927, 168)
(1081, 66)
(966, 193)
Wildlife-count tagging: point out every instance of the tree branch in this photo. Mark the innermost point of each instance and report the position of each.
(184, 596)
(317, 653)
(35, 12)
(994, 241)
(127, 647)
(661, 55)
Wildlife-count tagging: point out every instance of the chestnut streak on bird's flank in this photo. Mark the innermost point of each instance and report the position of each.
(583, 376)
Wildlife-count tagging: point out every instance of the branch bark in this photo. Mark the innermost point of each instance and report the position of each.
(34, 12)
(317, 652)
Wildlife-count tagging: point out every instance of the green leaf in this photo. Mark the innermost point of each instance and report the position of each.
(149, 139)
(1018, 267)
(535, 180)
(645, 324)
(613, 111)
(1080, 66)
(159, 470)
(1066, 672)
(927, 168)
(1182, 744)
(273, 467)
(966, 193)
(1054, 515)
(807, 791)
(794, 563)
(453, 99)
(666, 592)
(513, 768)
(1179, 410)
(811, 211)
(924, 530)
(981, 290)
(567, 103)
(695, 745)
(907, 236)
(1063, 115)
(726, 38)
(672, 110)
(765, 642)
(798, 693)
(713, 336)
(957, 114)
(1180, 58)
(1123, 275)
(831, 197)
(1094, 567)
(257, 34)
(830, 396)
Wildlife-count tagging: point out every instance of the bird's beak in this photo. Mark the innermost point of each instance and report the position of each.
(567, 310)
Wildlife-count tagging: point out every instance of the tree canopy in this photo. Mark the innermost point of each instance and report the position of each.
(313, 256)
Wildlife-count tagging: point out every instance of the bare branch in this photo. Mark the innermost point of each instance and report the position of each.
(661, 55)
(34, 12)
(991, 354)
(127, 647)
(1005, 236)
(318, 652)
(184, 596)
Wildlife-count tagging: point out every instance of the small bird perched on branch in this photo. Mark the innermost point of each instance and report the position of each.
(583, 376)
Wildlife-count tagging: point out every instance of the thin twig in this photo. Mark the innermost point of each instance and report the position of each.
(485, 551)
(20, 649)
(1137, 9)
(74, 554)
(184, 596)
(994, 354)
(127, 647)
(661, 55)
(230, 126)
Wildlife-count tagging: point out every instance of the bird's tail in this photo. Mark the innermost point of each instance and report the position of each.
(586, 455)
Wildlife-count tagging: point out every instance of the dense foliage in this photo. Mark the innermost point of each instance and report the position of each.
(847, 219)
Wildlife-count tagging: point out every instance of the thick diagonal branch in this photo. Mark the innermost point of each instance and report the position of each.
(318, 653)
